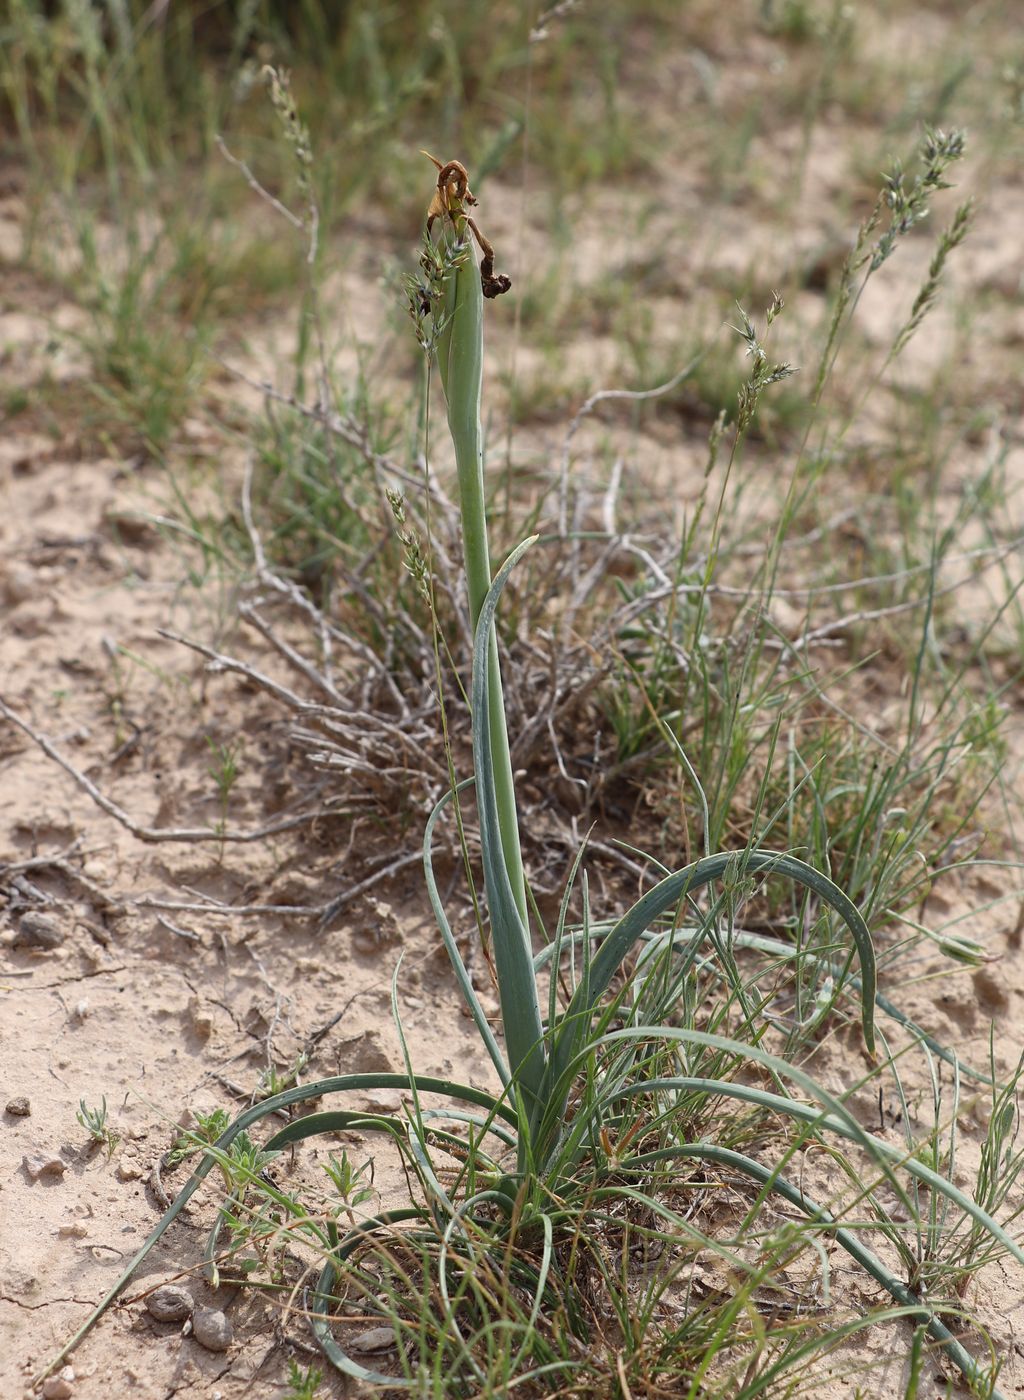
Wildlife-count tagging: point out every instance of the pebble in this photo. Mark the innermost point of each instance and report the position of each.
(97, 870)
(379, 932)
(171, 1303)
(376, 1339)
(128, 523)
(383, 1101)
(18, 583)
(19, 1107)
(44, 1164)
(991, 989)
(128, 1169)
(38, 931)
(202, 1021)
(212, 1329)
(368, 1054)
(61, 1386)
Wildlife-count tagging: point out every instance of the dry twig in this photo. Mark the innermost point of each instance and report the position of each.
(137, 829)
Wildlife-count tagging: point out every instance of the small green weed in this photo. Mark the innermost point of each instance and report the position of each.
(94, 1120)
(225, 772)
(303, 1384)
(209, 1127)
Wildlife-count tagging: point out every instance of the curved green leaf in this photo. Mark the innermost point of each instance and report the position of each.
(513, 954)
(666, 895)
(776, 947)
(451, 947)
(323, 1294)
(868, 1260)
(301, 1093)
(836, 1119)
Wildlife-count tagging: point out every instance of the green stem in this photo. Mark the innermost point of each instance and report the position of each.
(460, 359)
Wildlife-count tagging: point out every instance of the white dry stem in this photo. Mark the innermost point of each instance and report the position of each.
(188, 835)
(586, 408)
(257, 188)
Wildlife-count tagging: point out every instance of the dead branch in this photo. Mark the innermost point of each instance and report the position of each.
(188, 835)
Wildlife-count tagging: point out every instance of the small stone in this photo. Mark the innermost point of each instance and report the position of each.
(128, 1169)
(212, 1329)
(38, 931)
(380, 930)
(171, 1303)
(376, 1339)
(992, 989)
(128, 524)
(367, 1054)
(98, 871)
(202, 1021)
(193, 428)
(383, 1101)
(19, 1107)
(44, 1164)
(80, 1012)
(364, 942)
(387, 920)
(18, 583)
(75, 1231)
(61, 1386)
(255, 1021)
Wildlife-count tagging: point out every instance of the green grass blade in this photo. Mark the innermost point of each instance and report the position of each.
(836, 1117)
(460, 360)
(554, 949)
(775, 947)
(323, 1295)
(868, 1260)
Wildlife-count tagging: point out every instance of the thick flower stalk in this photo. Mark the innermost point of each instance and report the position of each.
(460, 356)
(456, 305)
